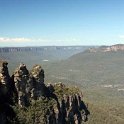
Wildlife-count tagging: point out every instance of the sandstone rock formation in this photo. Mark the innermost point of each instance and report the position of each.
(29, 85)
(25, 87)
(6, 94)
(38, 86)
(21, 80)
(113, 48)
(70, 110)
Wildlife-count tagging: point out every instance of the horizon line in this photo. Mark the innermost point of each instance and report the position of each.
(58, 46)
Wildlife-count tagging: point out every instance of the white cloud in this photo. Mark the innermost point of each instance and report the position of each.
(121, 36)
(21, 41)
(64, 41)
(16, 40)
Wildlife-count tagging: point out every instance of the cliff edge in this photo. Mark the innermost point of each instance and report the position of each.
(113, 48)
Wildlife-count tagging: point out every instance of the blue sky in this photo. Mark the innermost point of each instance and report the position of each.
(61, 22)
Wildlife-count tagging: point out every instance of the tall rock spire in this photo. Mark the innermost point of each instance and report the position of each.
(21, 79)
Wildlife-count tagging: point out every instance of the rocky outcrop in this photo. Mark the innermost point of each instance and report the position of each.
(29, 85)
(71, 110)
(26, 87)
(6, 94)
(37, 87)
(21, 81)
(113, 48)
(7, 87)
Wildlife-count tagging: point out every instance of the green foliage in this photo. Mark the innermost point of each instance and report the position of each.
(36, 112)
(102, 114)
(91, 71)
(59, 91)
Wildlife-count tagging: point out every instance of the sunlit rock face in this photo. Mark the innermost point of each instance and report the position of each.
(113, 48)
(38, 86)
(29, 85)
(38, 73)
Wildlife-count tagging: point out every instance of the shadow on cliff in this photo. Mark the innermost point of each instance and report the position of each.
(7, 114)
(86, 112)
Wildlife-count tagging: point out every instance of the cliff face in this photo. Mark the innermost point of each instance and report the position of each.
(19, 49)
(36, 49)
(113, 48)
(26, 88)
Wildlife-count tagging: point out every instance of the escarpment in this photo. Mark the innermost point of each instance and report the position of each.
(25, 98)
(113, 48)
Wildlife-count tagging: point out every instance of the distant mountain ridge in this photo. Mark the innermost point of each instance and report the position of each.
(41, 54)
(40, 48)
(113, 48)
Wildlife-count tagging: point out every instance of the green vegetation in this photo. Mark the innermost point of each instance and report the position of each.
(92, 72)
(36, 112)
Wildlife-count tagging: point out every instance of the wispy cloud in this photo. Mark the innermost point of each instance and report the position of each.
(21, 41)
(69, 40)
(121, 36)
(62, 41)
(16, 40)
(57, 40)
